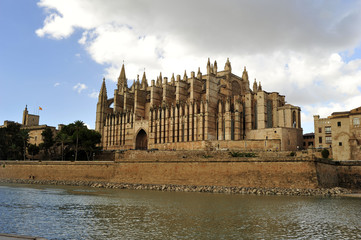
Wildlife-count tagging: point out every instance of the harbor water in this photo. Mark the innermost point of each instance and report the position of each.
(63, 212)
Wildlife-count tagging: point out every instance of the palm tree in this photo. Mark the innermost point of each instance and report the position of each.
(24, 135)
(78, 126)
(63, 139)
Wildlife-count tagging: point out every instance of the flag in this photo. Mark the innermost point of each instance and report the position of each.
(40, 108)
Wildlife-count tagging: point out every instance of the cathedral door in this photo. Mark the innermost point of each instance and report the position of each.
(141, 142)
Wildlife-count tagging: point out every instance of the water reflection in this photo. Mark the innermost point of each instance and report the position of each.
(86, 213)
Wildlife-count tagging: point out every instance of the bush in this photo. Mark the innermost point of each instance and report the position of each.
(240, 154)
(292, 154)
(325, 153)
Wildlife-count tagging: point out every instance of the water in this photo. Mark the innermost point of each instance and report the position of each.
(86, 213)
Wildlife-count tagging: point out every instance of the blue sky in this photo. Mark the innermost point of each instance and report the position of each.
(54, 54)
(31, 67)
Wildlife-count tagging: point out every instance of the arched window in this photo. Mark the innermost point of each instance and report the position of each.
(294, 119)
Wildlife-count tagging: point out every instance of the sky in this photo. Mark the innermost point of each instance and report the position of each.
(55, 53)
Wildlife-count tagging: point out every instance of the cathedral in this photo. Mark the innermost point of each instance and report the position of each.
(213, 111)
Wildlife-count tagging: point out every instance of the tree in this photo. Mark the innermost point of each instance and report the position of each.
(63, 139)
(325, 153)
(48, 140)
(11, 141)
(24, 135)
(82, 138)
(79, 125)
(90, 139)
(33, 150)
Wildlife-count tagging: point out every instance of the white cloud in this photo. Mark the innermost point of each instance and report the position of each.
(297, 48)
(56, 84)
(94, 94)
(80, 87)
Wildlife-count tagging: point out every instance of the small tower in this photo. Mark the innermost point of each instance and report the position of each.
(227, 66)
(245, 75)
(208, 67)
(122, 81)
(255, 87)
(259, 87)
(25, 115)
(101, 108)
(144, 83)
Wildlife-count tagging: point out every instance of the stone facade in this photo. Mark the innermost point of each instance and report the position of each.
(344, 129)
(323, 133)
(196, 111)
(308, 140)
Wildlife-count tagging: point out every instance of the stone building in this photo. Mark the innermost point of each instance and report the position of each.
(308, 140)
(344, 129)
(323, 133)
(30, 122)
(217, 110)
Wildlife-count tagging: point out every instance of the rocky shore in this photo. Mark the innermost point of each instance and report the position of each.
(183, 188)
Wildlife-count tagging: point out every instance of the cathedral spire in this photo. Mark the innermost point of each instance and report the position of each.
(199, 74)
(122, 80)
(144, 81)
(259, 87)
(245, 75)
(103, 91)
(227, 66)
(255, 86)
(185, 77)
(172, 80)
(208, 67)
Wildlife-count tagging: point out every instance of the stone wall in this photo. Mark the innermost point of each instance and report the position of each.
(195, 168)
(296, 174)
(345, 174)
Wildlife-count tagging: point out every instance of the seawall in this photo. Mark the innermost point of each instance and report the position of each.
(203, 170)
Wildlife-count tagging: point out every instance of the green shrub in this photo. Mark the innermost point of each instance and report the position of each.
(325, 153)
(240, 154)
(207, 156)
(292, 154)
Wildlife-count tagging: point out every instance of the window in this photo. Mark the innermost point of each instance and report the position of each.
(319, 130)
(310, 143)
(356, 122)
(340, 143)
(320, 140)
(304, 144)
(339, 124)
(328, 139)
(328, 130)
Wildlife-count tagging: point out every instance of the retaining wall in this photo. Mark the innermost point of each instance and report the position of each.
(179, 169)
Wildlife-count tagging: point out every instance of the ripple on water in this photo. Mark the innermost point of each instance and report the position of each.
(85, 213)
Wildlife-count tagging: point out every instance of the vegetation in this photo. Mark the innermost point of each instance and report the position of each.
(325, 153)
(13, 142)
(33, 150)
(292, 154)
(48, 141)
(74, 142)
(242, 154)
(78, 140)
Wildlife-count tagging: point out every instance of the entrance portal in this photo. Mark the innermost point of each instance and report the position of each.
(141, 142)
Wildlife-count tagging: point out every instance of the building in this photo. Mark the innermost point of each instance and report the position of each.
(308, 140)
(343, 133)
(217, 110)
(323, 134)
(30, 122)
